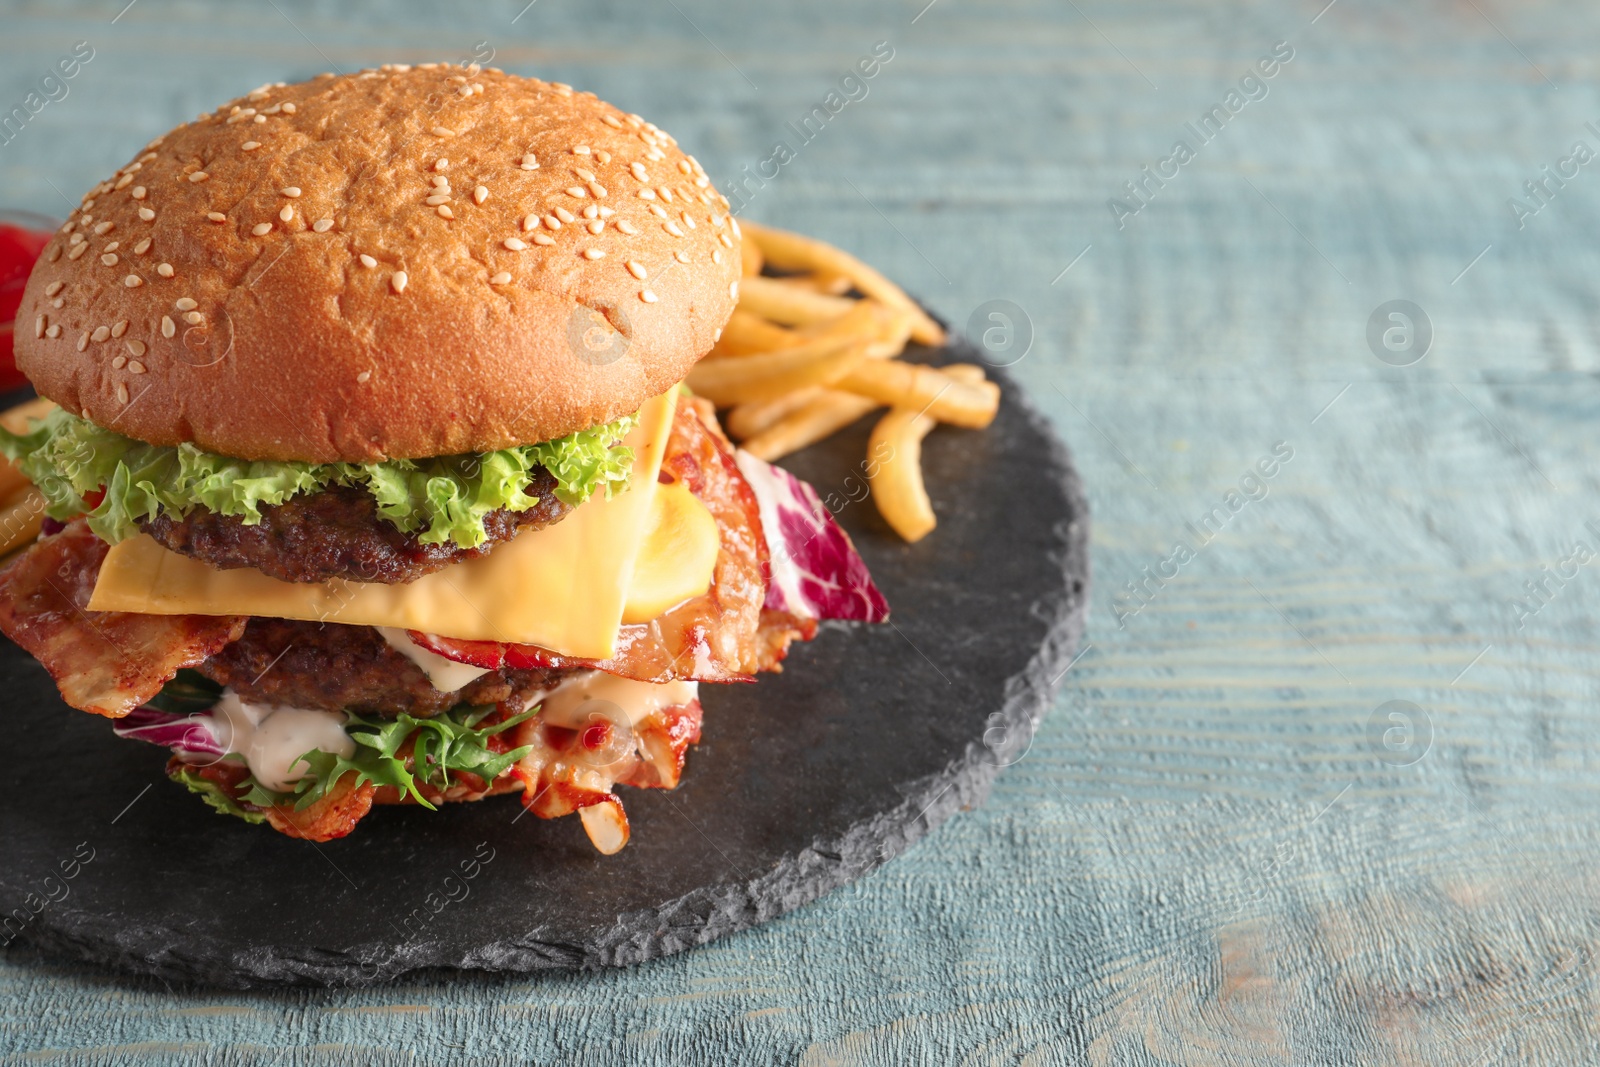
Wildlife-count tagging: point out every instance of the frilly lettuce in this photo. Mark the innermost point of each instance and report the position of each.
(445, 498)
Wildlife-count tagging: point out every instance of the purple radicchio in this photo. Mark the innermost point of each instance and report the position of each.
(192, 738)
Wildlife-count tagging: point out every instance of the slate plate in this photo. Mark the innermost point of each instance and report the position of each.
(871, 737)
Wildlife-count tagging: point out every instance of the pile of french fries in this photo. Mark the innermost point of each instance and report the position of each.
(801, 359)
(21, 505)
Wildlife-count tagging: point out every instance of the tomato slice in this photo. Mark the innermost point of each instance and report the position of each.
(19, 249)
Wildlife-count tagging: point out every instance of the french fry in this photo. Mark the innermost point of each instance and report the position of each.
(747, 420)
(832, 284)
(896, 478)
(20, 520)
(789, 304)
(792, 251)
(924, 389)
(828, 412)
(746, 333)
(748, 379)
(12, 480)
(16, 419)
(750, 258)
(970, 373)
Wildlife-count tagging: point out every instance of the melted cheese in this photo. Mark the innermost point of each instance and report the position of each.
(562, 587)
(587, 695)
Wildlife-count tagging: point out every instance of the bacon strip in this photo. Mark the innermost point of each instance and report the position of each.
(721, 636)
(105, 662)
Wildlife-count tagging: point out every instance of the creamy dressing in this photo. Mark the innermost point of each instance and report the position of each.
(578, 699)
(272, 739)
(446, 674)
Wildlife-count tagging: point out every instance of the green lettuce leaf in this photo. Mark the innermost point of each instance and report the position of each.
(446, 498)
(449, 742)
(214, 795)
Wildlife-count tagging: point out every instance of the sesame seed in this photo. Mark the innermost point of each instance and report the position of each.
(480, 194)
(606, 212)
(580, 150)
(441, 164)
(135, 367)
(735, 224)
(77, 250)
(577, 191)
(54, 254)
(597, 226)
(118, 362)
(75, 239)
(100, 334)
(83, 342)
(727, 242)
(627, 227)
(597, 190)
(250, 146)
(104, 228)
(716, 255)
(552, 222)
(443, 131)
(647, 296)
(683, 165)
(565, 216)
(261, 229)
(666, 193)
(124, 181)
(216, 216)
(515, 244)
(133, 281)
(681, 256)
(636, 269)
(120, 328)
(398, 280)
(122, 393)
(593, 253)
(445, 212)
(674, 229)
(687, 221)
(142, 247)
(135, 346)
(658, 211)
(612, 121)
(604, 157)
(364, 377)
(109, 259)
(501, 279)
(466, 90)
(291, 191)
(260, 118)
(53, 288)
(530, 222)
(639, 171)
(54, 331)
(38, 326)
(168, 328)
(322, 225)
(57, 303)
(586, 175)
(185, 303)
(145, 214)
(288, 108)
(647, 194)
(441, 182)
(733, 290)
(287, 213)
(164, 269)
(543, 239)
(199, 176)
(368, 261)
(437, 198)
(193, 318)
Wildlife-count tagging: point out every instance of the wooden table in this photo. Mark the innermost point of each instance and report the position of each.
(1222, 848)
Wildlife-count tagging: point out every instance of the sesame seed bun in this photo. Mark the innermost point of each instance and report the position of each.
(404, 262)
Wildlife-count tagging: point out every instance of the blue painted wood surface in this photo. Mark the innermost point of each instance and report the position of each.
(1221, 849)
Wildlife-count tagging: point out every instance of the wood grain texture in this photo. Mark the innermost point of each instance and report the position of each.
(1208, 856)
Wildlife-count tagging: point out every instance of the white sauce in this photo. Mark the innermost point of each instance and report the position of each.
(576, 701)
(446, 674)
(272, 738)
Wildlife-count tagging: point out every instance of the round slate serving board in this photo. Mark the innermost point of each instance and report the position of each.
(804, 781)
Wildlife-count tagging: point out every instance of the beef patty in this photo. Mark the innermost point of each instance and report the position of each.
(339, 668)
(338, 533)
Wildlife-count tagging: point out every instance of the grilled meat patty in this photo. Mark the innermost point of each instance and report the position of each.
(349, 668)
(338, 533)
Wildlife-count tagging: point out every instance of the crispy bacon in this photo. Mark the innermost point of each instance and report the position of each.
(721, 636)
(105, 662)
(333, 816)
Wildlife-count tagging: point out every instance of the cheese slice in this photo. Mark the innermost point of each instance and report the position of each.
(562, 587)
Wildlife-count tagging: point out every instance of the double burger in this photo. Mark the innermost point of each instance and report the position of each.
(371, 478)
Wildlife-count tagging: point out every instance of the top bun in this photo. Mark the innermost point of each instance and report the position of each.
(403, 262)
